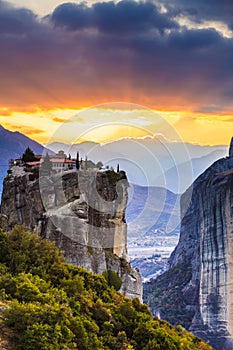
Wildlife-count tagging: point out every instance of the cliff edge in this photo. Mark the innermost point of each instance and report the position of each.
(82, 211)
(197, 290)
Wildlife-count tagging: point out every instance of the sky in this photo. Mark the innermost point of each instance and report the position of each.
(169, 59)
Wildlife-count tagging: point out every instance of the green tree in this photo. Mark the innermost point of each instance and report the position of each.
(86, 163)
(162, 340)
(28, 156)
(113, 279)
(100, 313)
(4, 248)
(27, 252)
(77, 161)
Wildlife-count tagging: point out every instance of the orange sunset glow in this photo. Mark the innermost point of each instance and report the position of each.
(211, 129)
(55, 66)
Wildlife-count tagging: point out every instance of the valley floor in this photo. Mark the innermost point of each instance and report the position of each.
(151, 259)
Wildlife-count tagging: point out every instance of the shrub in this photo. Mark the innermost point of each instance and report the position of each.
(113, 279)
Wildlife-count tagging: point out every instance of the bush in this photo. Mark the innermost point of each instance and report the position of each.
(113, 279)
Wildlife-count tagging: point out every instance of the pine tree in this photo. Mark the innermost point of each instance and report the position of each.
(28, 155)
(118, 168)
(86, 164)
(77, 161)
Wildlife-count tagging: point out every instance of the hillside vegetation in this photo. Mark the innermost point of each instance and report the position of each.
(51, 305)
(165, 294)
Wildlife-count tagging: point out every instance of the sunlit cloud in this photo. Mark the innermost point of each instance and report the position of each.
(220, 27)
(176, 62)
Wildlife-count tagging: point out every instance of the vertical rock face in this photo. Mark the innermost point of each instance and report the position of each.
(197, 289)
(206, 243)
(83, 212)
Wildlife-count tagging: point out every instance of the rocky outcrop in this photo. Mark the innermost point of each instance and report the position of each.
(206, 249)
(83, 212)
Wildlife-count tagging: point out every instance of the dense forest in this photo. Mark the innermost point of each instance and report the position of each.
(51, 305)
(165, 294)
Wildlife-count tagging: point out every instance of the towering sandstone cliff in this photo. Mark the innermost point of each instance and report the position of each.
(201, 267)
(83, 212)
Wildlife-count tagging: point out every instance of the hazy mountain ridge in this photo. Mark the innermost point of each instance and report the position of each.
(198, 165)
(153, 208)
(150, 162)
(13, 142)
(12, 145)
(153, 228)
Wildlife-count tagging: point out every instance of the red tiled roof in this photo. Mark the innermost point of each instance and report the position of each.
(59, 160)
(53, 160)
(33, 163)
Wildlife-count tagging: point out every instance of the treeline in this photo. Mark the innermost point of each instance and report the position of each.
(52, 305)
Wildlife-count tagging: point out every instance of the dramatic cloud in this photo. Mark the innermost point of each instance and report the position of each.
(129, 51)
(203, 10)
(123, 17)
(16, 21)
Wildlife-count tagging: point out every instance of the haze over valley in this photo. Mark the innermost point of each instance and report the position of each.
(153, 211)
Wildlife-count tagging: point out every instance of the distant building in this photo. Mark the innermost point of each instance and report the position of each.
(30, 165)
(59, 162)
(61, 154)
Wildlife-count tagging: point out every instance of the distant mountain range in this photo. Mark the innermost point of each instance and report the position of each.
(12, 145)
(151, 162)
(153, 218)
(151, 212)
(148, 162)
(179, 176)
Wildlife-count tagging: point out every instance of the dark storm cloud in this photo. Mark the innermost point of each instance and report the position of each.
(124, 16)
(190, 40)
(200, 10)
(14, 20)
(82, 56)
(72, 16)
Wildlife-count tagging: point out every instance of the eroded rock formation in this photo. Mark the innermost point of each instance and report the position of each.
(206, 249)
(206, 243)
(83, 212)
